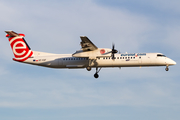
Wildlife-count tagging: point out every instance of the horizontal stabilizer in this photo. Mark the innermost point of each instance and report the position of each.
(13, 34)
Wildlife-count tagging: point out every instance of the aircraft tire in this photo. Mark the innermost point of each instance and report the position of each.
(96, 75)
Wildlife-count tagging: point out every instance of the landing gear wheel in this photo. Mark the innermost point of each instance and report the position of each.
(96, 75)
(167, 69)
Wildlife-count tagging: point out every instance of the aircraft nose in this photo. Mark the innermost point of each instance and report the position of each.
(172, 62)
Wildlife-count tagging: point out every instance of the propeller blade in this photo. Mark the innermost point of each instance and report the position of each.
(112, 56)
(113, 51)
(107, 53)
(113, 47)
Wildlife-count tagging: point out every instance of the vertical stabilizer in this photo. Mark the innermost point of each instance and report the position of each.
(20, 48)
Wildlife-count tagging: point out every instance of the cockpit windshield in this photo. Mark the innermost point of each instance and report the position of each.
(160, 55)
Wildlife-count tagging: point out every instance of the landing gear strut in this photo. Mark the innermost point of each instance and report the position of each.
(96, 74)
(167, 69)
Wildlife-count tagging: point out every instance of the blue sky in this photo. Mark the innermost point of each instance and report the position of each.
(38, 93)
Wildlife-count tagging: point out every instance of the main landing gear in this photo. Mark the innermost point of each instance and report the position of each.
(96, 74)
(97, 71)
(167, 69)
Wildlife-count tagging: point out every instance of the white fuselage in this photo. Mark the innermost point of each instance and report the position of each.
(89, 56)
(121, 60)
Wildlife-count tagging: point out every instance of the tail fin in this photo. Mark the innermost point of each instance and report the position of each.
(19, 46)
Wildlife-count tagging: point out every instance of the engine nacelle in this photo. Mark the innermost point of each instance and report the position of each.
(100, 52)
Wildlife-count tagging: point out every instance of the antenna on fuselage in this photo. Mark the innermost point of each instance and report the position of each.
(119, 52)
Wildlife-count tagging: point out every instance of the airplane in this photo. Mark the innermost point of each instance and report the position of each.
(89, 56)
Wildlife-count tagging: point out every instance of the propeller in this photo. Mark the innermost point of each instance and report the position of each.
(114, 51)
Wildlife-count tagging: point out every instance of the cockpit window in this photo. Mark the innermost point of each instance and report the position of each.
(160, 55)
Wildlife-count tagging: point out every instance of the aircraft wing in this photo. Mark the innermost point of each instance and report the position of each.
(90, 50)
(86, 44)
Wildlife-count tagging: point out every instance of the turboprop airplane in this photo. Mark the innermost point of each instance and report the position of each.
(89, 56)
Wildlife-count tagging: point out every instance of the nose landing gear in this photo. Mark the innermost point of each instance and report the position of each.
(167, 69)
(96, 74)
